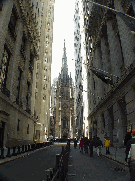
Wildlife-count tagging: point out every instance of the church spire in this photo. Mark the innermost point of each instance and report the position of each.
(64, 50)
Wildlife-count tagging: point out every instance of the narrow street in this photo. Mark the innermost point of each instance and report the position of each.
(32, 167)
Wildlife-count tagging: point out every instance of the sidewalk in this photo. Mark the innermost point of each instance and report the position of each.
(82, 167)
(116, 155)
(8, 159)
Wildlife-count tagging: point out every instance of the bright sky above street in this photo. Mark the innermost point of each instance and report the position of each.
(63, 28)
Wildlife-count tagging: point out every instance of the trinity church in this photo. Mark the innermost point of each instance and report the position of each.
(64, 125)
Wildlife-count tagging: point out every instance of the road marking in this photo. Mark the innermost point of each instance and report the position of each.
(71, 174)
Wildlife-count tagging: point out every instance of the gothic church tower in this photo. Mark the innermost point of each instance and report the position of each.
(64, 101)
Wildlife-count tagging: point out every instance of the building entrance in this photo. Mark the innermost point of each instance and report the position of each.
(2, 127)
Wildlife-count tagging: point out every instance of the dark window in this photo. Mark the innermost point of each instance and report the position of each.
(28, 129)
(12, 23)
(18, 125)
(4, 66)
(103, 120)
(94, 83)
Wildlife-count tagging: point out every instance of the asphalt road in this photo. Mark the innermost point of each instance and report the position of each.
(84, 168)
(32, 167)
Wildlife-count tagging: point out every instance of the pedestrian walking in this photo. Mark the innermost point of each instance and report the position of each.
(131, 156)
(75, 143)
(98, 145)
(91, 144)
(81, 145)
(86, 144)
(107, 144)
(126, 144)
(68, 143)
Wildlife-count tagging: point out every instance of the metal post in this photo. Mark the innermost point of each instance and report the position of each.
(14, 150)
(18, 150)
(57, 160)
(62, 149)
(2, 153)
(8, 154)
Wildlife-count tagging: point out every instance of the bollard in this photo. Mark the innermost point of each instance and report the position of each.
(51, 174)
(14, 151)
(2, 153)
(18, 149)
(57, 160)
(62, 149)
(23, 149)
(29, 147)
(48, 178)
(8, 153)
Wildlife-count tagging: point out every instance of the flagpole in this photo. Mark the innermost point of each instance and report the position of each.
(101, 70)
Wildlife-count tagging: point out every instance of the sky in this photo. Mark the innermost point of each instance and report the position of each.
(63, 28)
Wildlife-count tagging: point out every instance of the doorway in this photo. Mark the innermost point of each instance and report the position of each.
(2, 127)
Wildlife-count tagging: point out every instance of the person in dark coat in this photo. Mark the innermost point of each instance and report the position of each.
(91, 144)
(86, 144)
(127, 144)
(75, 143)
(68, 143)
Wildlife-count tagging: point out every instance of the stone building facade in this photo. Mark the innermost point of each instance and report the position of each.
(53, 107)
(78, 70)
(64, 102)
(110, 45)
(44, 11)
(19, 33)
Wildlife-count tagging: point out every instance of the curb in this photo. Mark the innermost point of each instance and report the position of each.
(20, 156)
(115, 160)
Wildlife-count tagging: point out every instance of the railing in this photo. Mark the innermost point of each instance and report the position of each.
(60, 171)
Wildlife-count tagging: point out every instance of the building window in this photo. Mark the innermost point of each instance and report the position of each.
(45, 68)
(28, 129)
(46, 60)
(18, 125)
(23, 45)
(44, 87)
(4, 67)
(103, 120)
(12, 23)
(35, 95)
(94, 83)
(45, 78)
(37, 75)
(44, 97)
(37, 65)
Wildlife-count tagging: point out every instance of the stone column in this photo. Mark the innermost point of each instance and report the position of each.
(126, 37)
(115, 50)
